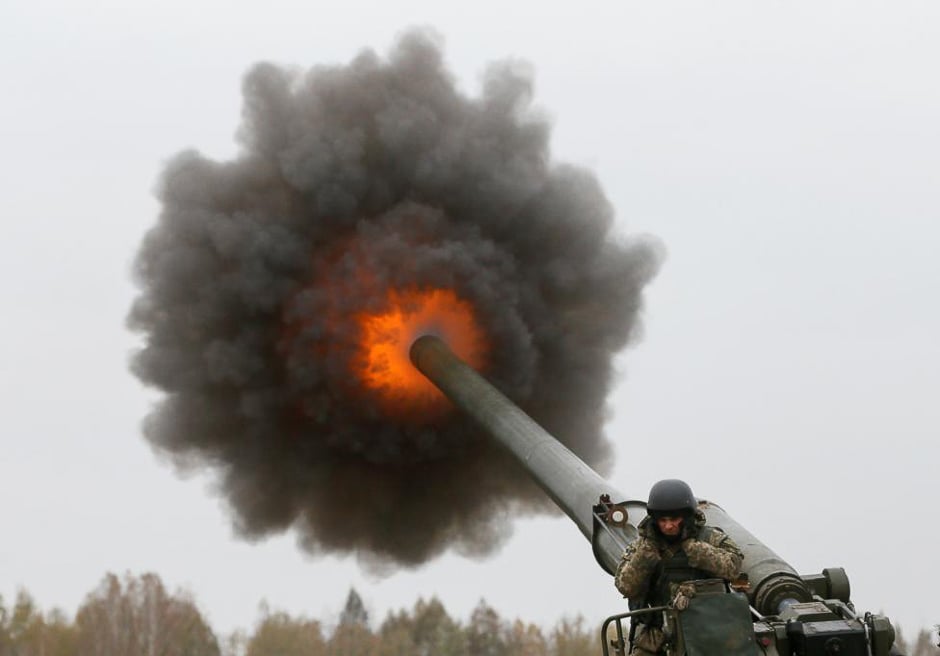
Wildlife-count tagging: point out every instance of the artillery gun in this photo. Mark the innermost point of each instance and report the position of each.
(770, 610)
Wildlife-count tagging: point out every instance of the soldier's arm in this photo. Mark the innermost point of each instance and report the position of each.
(636, 567)
(719, 555)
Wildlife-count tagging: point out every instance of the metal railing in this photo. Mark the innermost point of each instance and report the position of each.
(620, 645)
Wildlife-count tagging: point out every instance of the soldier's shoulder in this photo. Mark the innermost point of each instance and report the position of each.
(628, 552)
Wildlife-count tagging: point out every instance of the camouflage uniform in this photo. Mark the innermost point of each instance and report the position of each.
(651, 570)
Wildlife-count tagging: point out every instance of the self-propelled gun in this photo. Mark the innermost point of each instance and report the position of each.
(769, 610)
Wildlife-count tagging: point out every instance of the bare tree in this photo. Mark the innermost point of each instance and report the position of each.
(923, 644)
(486, 633)
(25, 631)
(137, 617)
(434, 633)
(571, 638)
(235, 644)
(279, 634)
(526, 640)
(395, 635)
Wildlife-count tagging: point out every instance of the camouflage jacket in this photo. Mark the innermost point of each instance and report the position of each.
(707, 549)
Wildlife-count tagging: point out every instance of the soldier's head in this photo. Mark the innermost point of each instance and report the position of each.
(671, 505)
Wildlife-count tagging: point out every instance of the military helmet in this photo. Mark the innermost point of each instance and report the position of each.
(671, 495)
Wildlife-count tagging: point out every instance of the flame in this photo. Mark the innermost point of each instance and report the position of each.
(383, 364)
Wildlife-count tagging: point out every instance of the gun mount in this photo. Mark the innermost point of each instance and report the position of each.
(790, 614)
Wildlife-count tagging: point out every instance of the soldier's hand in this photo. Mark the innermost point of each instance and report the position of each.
(637, 565)
(683, 596)
(646, 552)
(711, 559)
(696, 550)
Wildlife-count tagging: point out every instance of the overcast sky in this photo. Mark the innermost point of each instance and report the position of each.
(786, 154)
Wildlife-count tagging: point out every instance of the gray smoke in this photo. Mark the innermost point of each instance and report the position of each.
(352, 179)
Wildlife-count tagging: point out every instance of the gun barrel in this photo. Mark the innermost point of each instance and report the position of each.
(576, 488)
(572, 485)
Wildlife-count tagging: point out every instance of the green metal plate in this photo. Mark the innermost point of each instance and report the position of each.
(716, 624)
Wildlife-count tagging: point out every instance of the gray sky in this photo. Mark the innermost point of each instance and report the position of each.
(786, 154)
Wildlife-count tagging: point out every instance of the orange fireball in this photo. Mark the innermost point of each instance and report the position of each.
(382, 363)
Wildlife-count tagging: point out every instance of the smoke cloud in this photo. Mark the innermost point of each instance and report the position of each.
(352, 180)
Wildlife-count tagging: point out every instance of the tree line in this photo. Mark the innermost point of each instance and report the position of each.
(137, 616)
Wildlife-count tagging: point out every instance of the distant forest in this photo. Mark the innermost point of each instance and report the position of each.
(137, 616)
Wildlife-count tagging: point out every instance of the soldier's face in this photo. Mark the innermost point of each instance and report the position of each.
(669, 526)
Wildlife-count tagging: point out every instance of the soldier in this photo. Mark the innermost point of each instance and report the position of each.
(674, 546)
